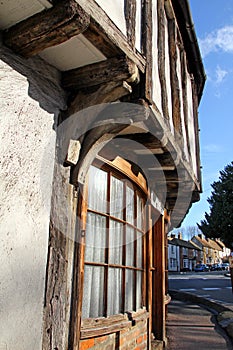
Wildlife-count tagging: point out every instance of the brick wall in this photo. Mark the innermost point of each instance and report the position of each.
(133, 337)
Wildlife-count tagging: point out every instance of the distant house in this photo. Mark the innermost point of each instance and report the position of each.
(214, 252)
(182, 255)
(211, 250)
(225, 252)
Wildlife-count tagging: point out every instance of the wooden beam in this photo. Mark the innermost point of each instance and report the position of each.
(98, 37)
(102, 24)
(161, 56)
(175, 86)
(130, 18)
(104, 93)
(147, 140)
(113, 69)
(47, 28)
(147, 40)
(158, 322)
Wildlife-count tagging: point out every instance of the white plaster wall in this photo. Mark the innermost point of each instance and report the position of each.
(115, 11)
(191, 129)
(156, 93)
(27, 143)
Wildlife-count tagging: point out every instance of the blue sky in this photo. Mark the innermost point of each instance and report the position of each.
(213, 22)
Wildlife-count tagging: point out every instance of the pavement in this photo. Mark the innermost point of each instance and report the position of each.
(196, 323)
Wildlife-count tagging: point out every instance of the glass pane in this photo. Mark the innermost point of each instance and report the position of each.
(139, 249)
(114, 291)
(116, 198)
(130, 239)
(129, 290)
(97, 189)
(93, 295)
(130, 205)
(139, 290)
(95, 238)
(115, 242)
(140, 213)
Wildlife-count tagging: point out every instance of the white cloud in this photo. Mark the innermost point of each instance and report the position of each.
(220, 75)
(212, 148)
(221, 39)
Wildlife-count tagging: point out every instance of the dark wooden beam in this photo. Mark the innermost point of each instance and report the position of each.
(99, 38)
(101, 25)
(183, 64)
(47, 28)
(169, 176)
(161, 56)
(130, 17)
(104, 93)
(147, 140)
(175, 87)
(147, 40)
(113, 69)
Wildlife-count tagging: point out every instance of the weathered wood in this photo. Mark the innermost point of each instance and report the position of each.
(147, 140)
(159, 280)
(47, 28)
(169, 176)
(147, 39)
(161, 56)
(107, 29)
(55, 303)
(112, 69)
(78, 274)
(130, 17)
(113, 328)
(175, 88)
(98, 37)
(109, 92)
(183, 64)
(196, 130)
(103, 321)
(150, 268)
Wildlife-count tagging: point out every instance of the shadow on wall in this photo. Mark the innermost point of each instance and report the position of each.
(43, 80)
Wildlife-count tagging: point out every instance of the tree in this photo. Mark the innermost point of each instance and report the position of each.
(219, 222)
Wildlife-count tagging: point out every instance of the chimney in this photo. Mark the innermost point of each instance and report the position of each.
(180, 235)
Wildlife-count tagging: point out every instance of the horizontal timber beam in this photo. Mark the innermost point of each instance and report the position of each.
(112, 69)
(102, 27)
(47, 28)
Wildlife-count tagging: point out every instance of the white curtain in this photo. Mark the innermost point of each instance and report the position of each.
(114, 291)
(97, 190)
(93, 293)
(95, 238)
(116, 197)
(115, 242)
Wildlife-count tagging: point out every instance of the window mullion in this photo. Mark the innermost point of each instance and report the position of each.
(106, 272)
(135, 252)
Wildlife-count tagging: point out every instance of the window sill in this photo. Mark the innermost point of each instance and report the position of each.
(93, 327)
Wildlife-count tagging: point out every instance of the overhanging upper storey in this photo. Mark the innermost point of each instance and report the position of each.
(134, 51)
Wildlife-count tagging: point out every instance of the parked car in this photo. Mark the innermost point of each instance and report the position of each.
(216, 267)
(225, 266)
(201, 268)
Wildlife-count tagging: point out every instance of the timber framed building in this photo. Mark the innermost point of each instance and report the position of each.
(100, 156)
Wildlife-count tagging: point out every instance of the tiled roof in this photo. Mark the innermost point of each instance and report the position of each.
(182, 243)
(202, 241)
(195, 246)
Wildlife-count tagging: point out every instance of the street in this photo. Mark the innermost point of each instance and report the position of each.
(211, 285)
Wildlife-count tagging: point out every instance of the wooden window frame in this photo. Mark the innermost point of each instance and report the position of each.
(120, 170)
